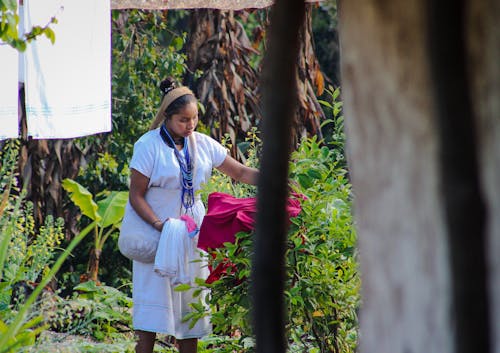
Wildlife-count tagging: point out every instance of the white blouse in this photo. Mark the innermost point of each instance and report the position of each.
(156, 160)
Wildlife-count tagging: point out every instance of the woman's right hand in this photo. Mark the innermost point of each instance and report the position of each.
(158, 225)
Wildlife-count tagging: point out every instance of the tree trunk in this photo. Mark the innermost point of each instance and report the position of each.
(310, 82)
(220, 48)
(228, 88)
(421, 86)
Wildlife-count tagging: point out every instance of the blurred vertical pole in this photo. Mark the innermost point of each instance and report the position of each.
(279, 99)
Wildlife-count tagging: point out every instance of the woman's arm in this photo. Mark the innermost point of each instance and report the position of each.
(138, 187)
(240, 172)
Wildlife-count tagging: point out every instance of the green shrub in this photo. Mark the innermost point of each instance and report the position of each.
(322, 287)
(101, 312)
(323, 282)
(26, 255)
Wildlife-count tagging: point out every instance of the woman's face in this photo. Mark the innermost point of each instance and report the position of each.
(183, 123)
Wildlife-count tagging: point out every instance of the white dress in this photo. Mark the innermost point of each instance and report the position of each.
(157, 307)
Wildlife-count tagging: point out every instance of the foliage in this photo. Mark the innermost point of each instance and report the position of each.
(250, 150)
(334, 126)
(17, 331)
(99, 311)
(9, 205)
(323, 282)
(30, 255)
(323, 274)
(23, 259)
(9, 20)
(10, 210)
(225, 344)
(65, 343)
(106, 213)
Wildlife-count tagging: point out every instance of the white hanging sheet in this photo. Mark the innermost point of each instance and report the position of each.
(68, 84)
(9, 127)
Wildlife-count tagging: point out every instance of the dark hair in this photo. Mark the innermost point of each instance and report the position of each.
(166, 86)
(177, 105)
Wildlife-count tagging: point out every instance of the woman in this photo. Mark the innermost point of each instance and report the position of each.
(168, 165)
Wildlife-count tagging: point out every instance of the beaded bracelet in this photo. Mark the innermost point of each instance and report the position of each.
(153, 224)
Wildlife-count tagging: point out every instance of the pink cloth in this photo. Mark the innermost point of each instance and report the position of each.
(228, 215)
(191, 226)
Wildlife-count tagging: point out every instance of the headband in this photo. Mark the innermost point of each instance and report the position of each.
(172, 95)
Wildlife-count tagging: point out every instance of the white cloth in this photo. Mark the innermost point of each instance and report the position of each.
(174, 251)
(157, 306)
(68, 83)
(9, 127)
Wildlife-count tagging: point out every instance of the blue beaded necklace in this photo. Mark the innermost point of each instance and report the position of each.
(186, 167)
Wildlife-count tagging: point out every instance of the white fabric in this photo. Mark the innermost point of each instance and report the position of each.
(174, 251)
(9, 127)
(68, 84)
(157, 307)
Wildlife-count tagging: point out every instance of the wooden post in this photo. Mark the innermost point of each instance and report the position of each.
(279, 102)
(422, 122)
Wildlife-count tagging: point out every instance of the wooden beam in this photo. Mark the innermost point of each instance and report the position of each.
(192, 4)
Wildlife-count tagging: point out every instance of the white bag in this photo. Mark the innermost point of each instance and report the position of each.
(138, 240)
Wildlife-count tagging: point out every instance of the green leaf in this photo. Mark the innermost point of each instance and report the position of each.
(336, 93)
(325, 152)
(88, 287)
(326, 122)
(49, 33)
(19, 45)
(200, 282)
(177, 43)
(313, 173)
(305, 181)
(82, 198)
(198, 306)
(325, 103)
(182, 287)
(112, 208)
